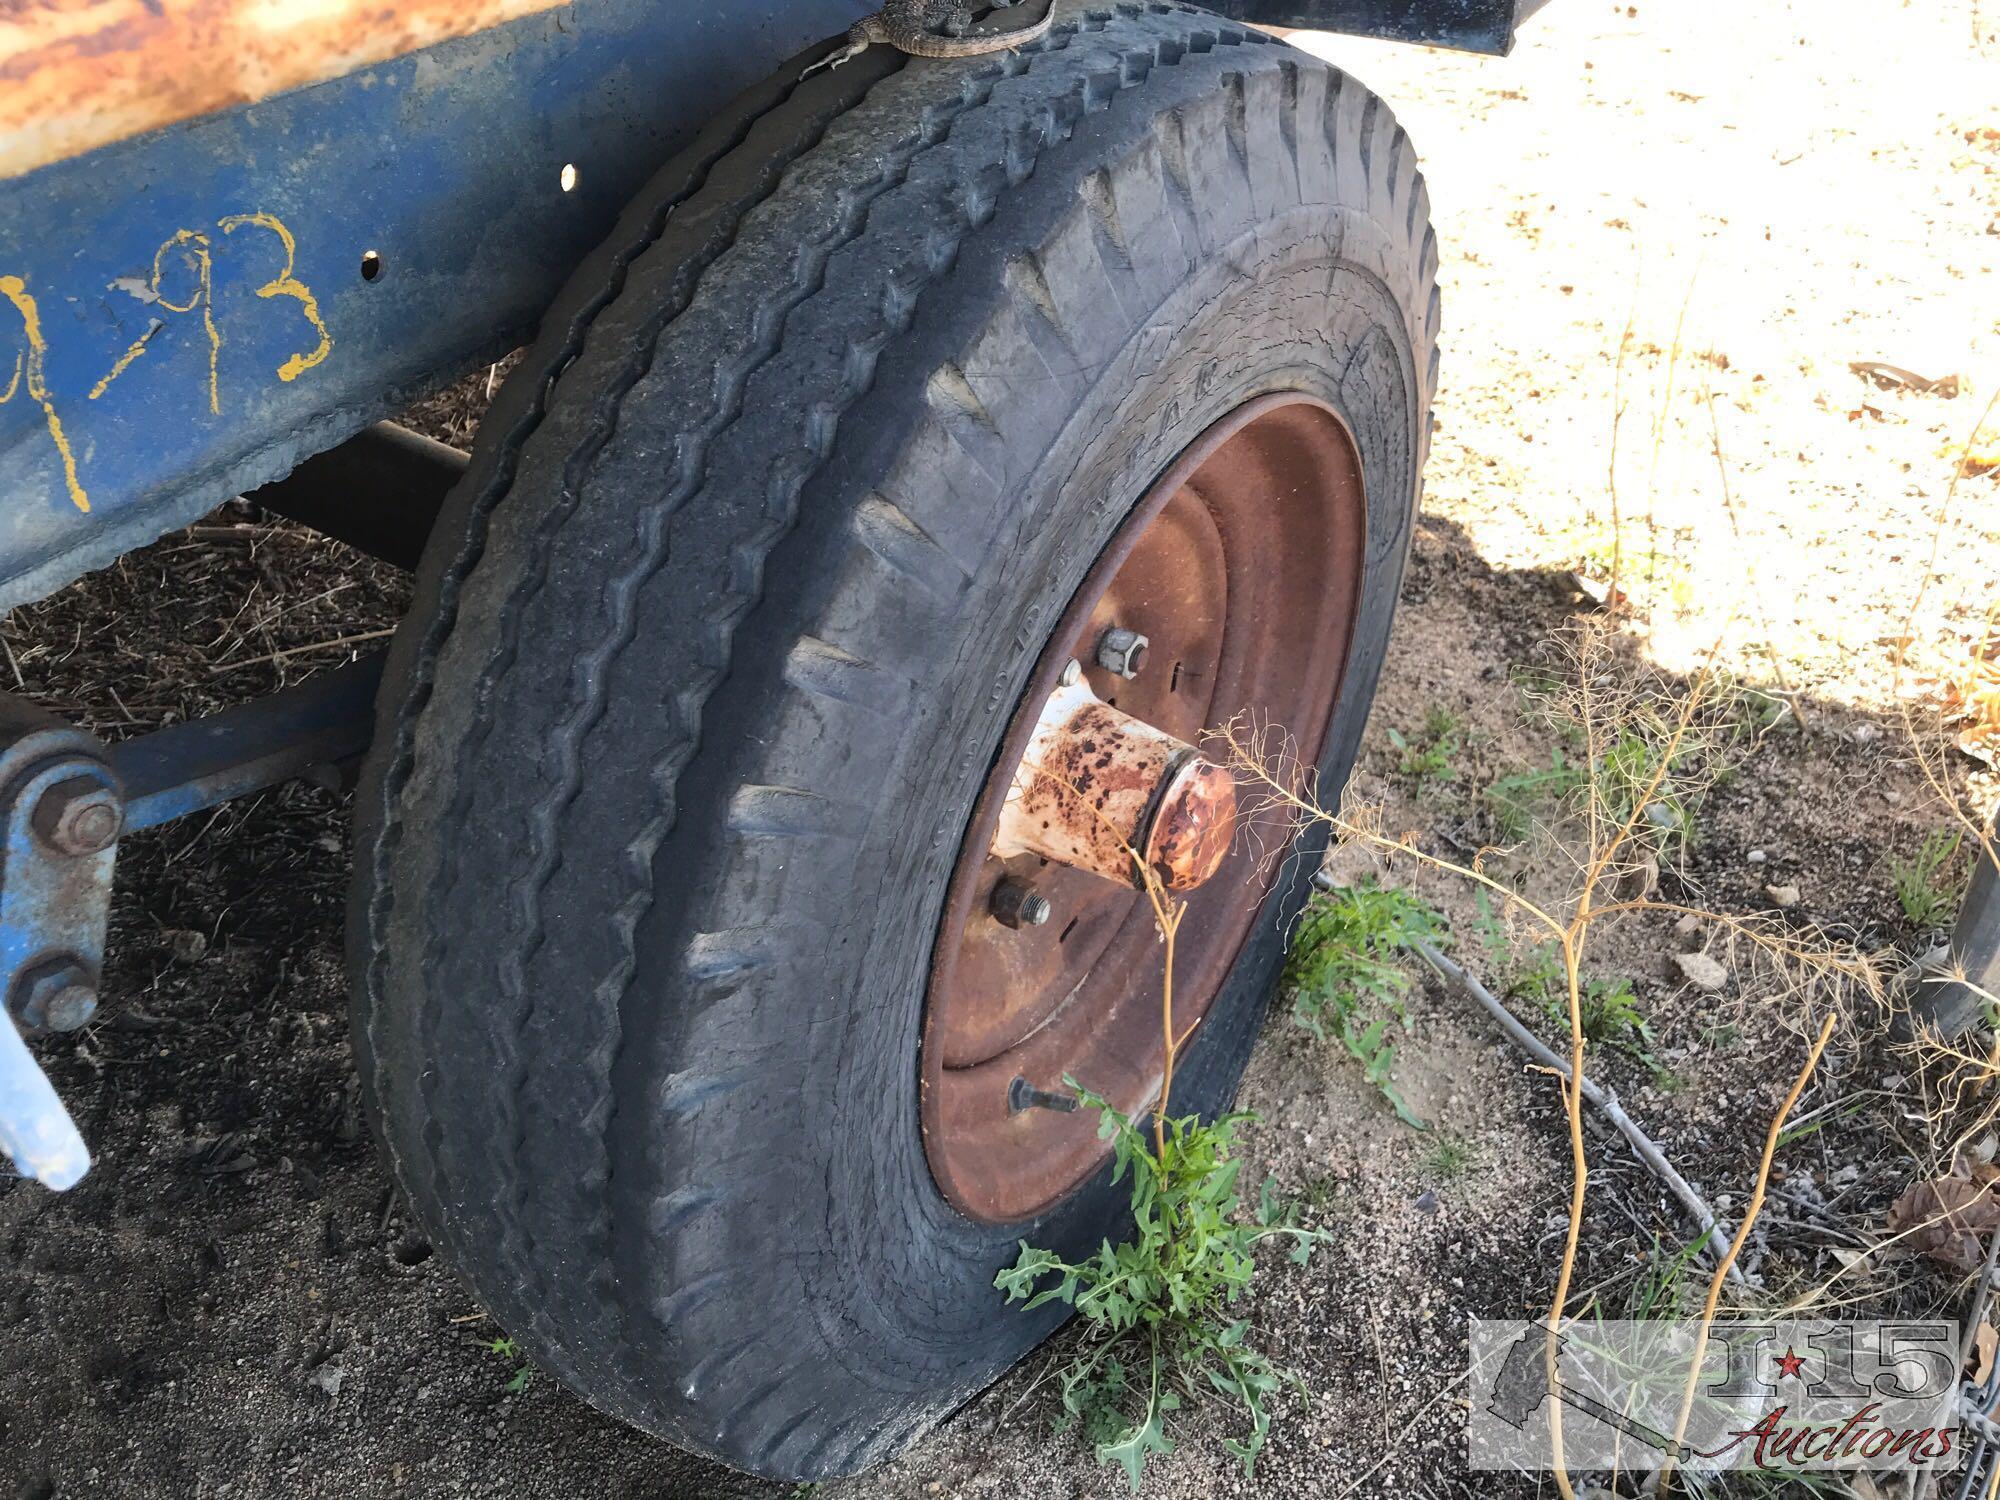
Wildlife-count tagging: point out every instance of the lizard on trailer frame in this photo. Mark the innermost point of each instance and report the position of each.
(935, 28)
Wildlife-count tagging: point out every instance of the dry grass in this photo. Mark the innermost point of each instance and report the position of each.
(1647, 751)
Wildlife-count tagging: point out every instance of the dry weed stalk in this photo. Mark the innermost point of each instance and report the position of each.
(1961, 1082)
(1736, 531)
(1763, 1183)
(1705, 1218)
(1956, 1074)
(1966, 672)
(1613, 599)
(1167, 914)
(1644, 748)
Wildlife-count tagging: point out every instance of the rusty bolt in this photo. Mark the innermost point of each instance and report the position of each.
(56, 995)
(1015, 904)
(1023, 1095)
(79, 816)
(1122, 652)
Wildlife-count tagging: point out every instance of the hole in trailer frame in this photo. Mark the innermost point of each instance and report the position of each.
(371, 265)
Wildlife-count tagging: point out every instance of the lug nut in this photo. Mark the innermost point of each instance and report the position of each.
(1122, 652)
(1015, 904)
(70, 1007)
(55, 996)
(79, 816)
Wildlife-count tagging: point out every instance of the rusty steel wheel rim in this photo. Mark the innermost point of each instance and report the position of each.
(1242, 567)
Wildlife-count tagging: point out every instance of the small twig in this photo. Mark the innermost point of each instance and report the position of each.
(1711, 1227)
(246, 533)
(1409, 1428)
(278, 656)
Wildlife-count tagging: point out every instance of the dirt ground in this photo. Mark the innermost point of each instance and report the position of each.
(1667, 233)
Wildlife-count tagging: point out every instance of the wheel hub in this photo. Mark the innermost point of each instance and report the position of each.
(1231, 588)
(1102, 791)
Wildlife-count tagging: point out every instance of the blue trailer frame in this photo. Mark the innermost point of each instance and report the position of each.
(186, 315)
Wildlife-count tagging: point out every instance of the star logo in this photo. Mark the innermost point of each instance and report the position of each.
(1788, 1367)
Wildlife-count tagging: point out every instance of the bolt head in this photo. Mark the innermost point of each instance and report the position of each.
(60, 995)
(69, 1007)
(80, 816)
(1122, 652)
(1072, 670)
(1016, 904)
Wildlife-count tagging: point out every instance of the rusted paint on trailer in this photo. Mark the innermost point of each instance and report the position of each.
(78, 74)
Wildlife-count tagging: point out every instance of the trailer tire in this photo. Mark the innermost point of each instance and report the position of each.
(715, 642)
